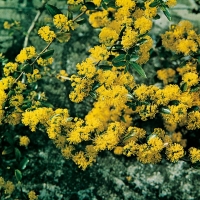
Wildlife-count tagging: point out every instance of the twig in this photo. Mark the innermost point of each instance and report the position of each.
(39, 12)
(79, 16)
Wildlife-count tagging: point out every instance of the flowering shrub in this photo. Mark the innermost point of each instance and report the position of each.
(107, 76)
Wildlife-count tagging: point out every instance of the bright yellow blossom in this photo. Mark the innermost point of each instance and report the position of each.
(24, 141)
(174, 152)
(46, 34)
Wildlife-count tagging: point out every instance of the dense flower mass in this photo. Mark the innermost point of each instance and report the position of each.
(117, 102)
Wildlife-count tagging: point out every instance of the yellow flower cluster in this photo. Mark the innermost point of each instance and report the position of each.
(61, 22)
(26, 54)
(8, 25)
(174, 152)
(99, 19)
(44, 62)
(181, 38)
(8, 186)
(166, 75)
(24, 141)
(194, 154)
(46, 34)
(32, 195)
(9, 68)
(62, 76)
(143, 24)
(36, 75)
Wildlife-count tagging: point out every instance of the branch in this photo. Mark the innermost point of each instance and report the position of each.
(39, 12)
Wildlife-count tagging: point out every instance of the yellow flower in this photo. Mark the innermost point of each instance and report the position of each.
(174, 152)
(190, 78)
(131, 148)
(129, 38)
(99, 53)
(171, 3)
(97, 2)
(14, 118)
(166, 75)
(7, 25)
(194, 154)
(26, 54)
(187, 46)
(34, 76)
(143, 24)
(45, 62)
(150, 12)
(118, 150)
(81, 160)
(2, 182)
(99, 19)
(67, 151)
(9, 187)
(62, 76)
(61, 22)
(10, 67)
(24, 141)
(16, 100)
(74, 2)
(32, 195)
(147, 155)
(193, 121)
(108, 36)
(155, 143)
(46, 34)
(86, 68)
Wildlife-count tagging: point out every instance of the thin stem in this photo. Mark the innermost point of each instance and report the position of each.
(39, 12)
(19, 77)
(79, 16)
(42, 52)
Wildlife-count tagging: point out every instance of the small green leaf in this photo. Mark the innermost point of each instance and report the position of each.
(18, 175)
(165, 110)
(17, 154)
(142, 41)
(195, 88)
(69, 15)
(52, 10)
(63, 37)
(47, 54)
(184, 87)
(119, 60)
(90, 5)
(194, 108)
(157, 17)
(7, 150)
(26, 68)
(121, 57)
(155, 3)
(80, 21)
(174, 102)
(166, 12)
(93, 95)
(126, 68)
(127, 57)
(23, 163)
(95, 86)
(138, 69)
(105, 67)
(199, 59)
(46, 104)
(119, 64)
(134, 58)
